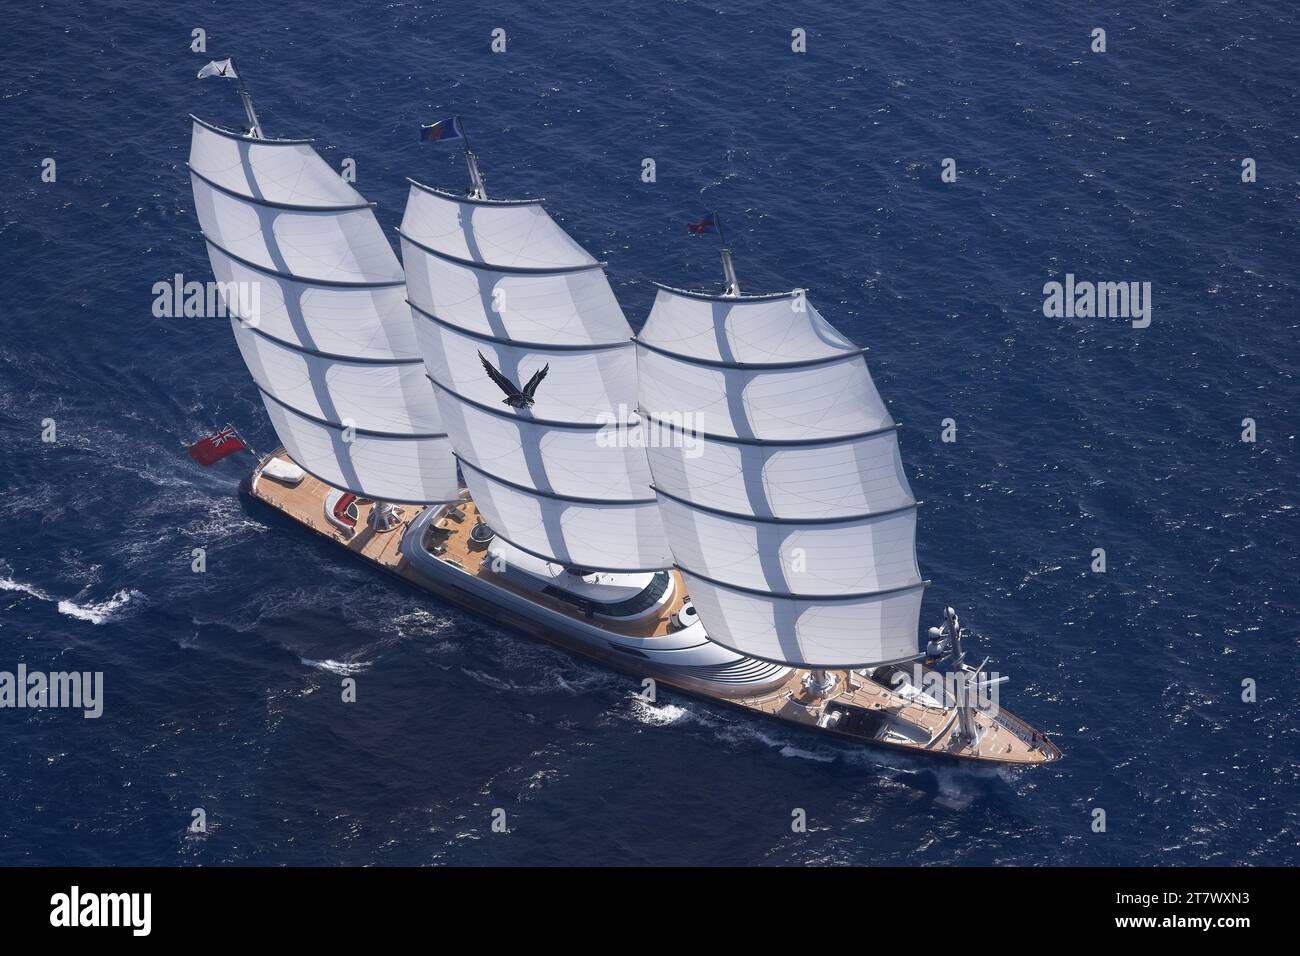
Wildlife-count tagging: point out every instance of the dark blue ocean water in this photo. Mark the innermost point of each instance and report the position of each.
(1073, 434)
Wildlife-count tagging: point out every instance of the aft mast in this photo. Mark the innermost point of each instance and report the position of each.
(327, 336)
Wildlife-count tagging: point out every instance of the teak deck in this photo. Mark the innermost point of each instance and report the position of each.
(911, 726)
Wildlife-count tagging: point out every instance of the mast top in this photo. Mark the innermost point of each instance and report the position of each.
(478, 190)
(226, 69)
(449, 129)
(732, 288)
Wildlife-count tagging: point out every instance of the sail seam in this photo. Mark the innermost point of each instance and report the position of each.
(272, 204)
(619, 502)
(338, 426)
(773, 519)
(541, 346)
(305, 280)
(509, 270)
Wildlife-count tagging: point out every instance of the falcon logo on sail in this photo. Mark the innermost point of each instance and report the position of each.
(515, 397)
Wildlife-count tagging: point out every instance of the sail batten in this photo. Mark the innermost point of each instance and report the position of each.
(499, 292)
(292, 277)
(776, 519)
(317, 303)
(274, 204)
(517, 343)
(502, 413)
(781, 486)
(660, 422)
(720, 363)
(508, 270)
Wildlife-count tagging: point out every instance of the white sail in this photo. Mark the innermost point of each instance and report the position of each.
(778, 475)
(328, 337)
(566, 479)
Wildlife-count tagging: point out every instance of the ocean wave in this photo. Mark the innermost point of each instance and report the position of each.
(658, 715)
(9, 584)
(100, 612)
(342, 668)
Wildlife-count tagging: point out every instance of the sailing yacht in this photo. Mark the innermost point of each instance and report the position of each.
(716, 505)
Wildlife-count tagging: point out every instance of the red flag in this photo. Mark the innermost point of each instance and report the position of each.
(705, 227)
(217, 446)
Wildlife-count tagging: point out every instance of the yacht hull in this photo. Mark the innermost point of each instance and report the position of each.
(859, 710)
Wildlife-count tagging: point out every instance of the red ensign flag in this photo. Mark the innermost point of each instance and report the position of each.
(217, 446)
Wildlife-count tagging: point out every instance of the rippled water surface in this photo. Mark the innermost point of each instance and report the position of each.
(1073, 434)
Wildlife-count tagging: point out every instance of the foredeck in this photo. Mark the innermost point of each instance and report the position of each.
(1005, 738)
(904, 723)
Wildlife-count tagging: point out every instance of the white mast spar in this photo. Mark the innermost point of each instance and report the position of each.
(317, 304)
(254, 125)
(564, 479)
(788, 511)
(732, 288)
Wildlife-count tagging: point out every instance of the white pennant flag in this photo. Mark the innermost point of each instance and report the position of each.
(223, 68)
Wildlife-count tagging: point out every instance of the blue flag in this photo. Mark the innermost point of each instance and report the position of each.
(441, 131)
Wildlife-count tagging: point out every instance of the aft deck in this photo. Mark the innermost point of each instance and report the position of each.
(449, 542)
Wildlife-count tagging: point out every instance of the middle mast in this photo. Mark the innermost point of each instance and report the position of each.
(534, 368)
